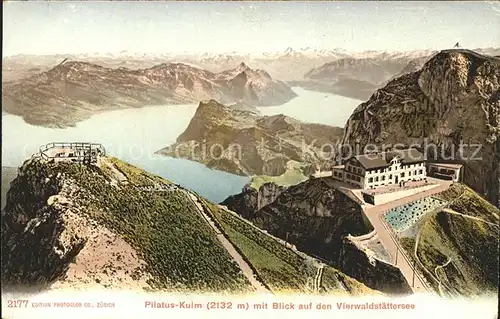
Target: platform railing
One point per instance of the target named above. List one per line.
(82, 151)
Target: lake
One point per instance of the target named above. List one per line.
(316, 107)
(133, 135)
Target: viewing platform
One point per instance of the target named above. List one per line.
(76, 152)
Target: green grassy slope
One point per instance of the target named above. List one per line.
(292, 176)
(181, 250)
(281, 268)
(470, 245)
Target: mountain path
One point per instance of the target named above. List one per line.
(390, 241)
(451, 211)
(318, 277)
(437, 276)
(245, 268)
(119, 177)
(417, 241)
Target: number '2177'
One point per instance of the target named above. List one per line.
(17, 303)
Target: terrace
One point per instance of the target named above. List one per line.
(403, 217)
(79, 152)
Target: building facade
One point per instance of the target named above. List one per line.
(381, 169)
(445, 171)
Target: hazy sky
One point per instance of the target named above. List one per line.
(84, 27)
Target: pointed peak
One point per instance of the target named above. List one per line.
(242, 66)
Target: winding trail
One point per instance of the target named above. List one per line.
(437, 276)
(245, 268)
(317, 280)
(318, 277)
(390, 241)
(445, 209)
(451, 211)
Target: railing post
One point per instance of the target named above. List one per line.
(397, 250)
(414, 264)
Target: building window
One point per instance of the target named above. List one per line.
(376, 179)
(383, 178)
(409, 173)
(390, 168)
(420, 172)
(402, 174)
(370, 180)
(390, 176)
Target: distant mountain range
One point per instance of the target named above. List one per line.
(289, 64)
(357, 76)
(74, 90)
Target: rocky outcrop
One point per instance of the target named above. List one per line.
(319, 220)
(74, 90)
(71, 226)
(311, 215)
(373, 272)
(450, 108)
(244, 143)
(314, 217)
(251, 200)
(49, 241)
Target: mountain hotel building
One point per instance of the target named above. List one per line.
(379, 169)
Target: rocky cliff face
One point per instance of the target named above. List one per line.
(314, 217)
(450, 107)
(72, 226)
(244, 143)
(251, 200)
(318, 219)
(82, 89)
(373, 272)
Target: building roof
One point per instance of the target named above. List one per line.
(383, 159)
(447, 165)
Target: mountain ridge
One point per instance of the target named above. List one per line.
(83, 88)
(453, 99)
(245, 143)
(114, 226)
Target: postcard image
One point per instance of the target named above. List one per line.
(328, 159)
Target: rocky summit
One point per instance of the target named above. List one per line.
(450, 107)
(114, 226)
(74, 90)
(244, 143)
